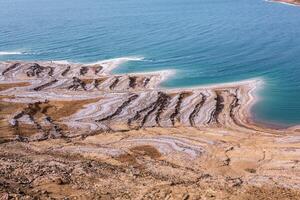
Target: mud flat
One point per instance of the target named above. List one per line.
(78, 131)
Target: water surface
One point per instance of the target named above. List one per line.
(206, 41)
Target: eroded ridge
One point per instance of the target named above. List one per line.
(73, 130)
(119, 102)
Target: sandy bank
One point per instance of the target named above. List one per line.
(75, 130)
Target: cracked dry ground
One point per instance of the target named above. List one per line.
(78, 132)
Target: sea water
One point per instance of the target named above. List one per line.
(204, 41)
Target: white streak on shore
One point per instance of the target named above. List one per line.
(111, 64)
(281, 2)
(118, 60)
(255, 83)
(5, 53)
(63, 62)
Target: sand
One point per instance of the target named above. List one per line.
(79, 131)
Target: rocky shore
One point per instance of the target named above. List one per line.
(79, 131)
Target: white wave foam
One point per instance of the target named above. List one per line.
(4, 53)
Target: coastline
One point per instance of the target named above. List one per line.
(71, 130)
(249, 87)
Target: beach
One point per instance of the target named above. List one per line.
(79, 131)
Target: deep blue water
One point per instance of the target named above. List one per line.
(206, 41)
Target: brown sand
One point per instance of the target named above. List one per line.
(124, 137)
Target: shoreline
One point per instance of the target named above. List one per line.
(256, 83)
(287, 2)
(251, 86)
(72, 130)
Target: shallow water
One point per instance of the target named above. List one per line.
(206, 41)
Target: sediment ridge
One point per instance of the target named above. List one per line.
(75, 130)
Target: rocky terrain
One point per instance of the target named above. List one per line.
(73, 131)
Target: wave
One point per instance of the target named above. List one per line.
(5, 53)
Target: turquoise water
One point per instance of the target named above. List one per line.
(206, 41)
